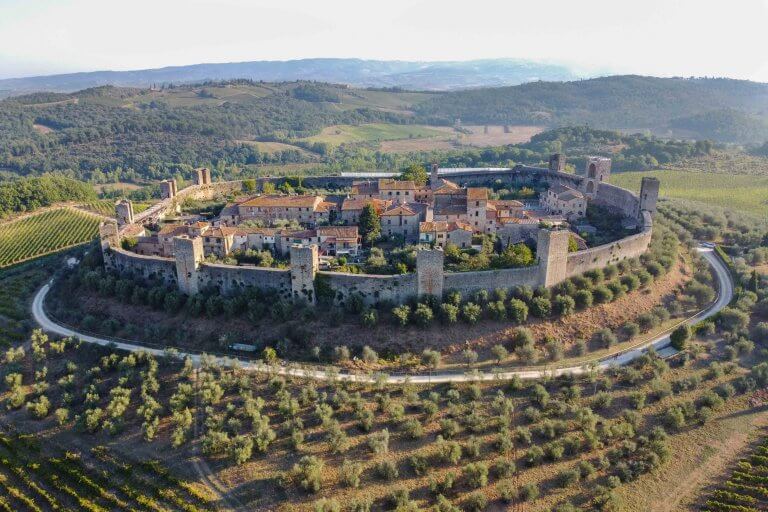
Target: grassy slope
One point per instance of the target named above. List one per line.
(341, 134)
(738, 191)
(43, 233)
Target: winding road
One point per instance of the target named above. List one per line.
(724, 296)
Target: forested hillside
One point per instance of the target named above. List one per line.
(610, 102)
(30, 193)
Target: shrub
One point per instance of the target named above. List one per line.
(631, 329)
(647, 321)
(583, 299)
(386, 470)
(568, 477)
(449, 313)
(602, 400)
(309, 473)
(369, 317)
(327, 505)
(499, 353)
(369, 355)
(413, 429)
(476, 502)
(350, 473)
(476, 474)
(430, 358)
(341, 353)
(518, 311)
(449, 428)
(534, 455)
(497, 310)
(471, 312)
(602, 294)
(378, 442)
(564, 305)
(401, 314)
(529, 492)
(680, 337)
(469, 356)
(423, 315)
(604, 337)
(554, 349)
(541, 307)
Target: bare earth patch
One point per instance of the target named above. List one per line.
(480, 137)
(205, 334)
(41, 128)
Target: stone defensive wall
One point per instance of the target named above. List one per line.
(302, 279)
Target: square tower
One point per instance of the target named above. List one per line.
(429, 272)
(305, 262)
(168, 189)
(434, 180)
(649, 194)
(124, 212)
(109, 237)
(552, 252)
(596, 171)
(557, 162)
(203, 176)
(188, 253)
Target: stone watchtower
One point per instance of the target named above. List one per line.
(109, 237)
(649, 194)
(429, 272)
(305, 262)
(124, 212)
(552, 252)
(203, 176)
(188, 253)
(597, 170)
(557, 162)
(434, 180)
(168, 189)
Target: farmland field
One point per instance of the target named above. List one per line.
(342, 134)
(31, 480)
(737, 191)
(43, 233)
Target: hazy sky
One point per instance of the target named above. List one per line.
(658, 37)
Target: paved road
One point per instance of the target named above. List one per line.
(662, 342)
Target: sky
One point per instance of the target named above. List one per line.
(650, 37)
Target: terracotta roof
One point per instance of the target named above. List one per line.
(350, 204)
(503, 204)
(308, 233)
(133, 230)
(283, 201)
(443, 226)
(325, 206)
(220, 232)
(565, 193)
(365, 187)
(451, 209)
(172, 229)
(242, 231)
(515, 220)
(337, 231)
(477, 193)
(389, 184)
(399, 210)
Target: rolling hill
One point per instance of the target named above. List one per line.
(621, 102)
(355, 72)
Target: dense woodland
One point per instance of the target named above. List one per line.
(30, 193)
(616, 101)
(92, 136)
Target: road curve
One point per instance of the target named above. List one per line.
(725, 294)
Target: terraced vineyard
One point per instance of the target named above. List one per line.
(104, 207)
(44, 233)
(32, 480)
(747, 489)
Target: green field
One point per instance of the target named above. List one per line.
(43, 233)
(737, 191)
(374, 132)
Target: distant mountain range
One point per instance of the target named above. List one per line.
(434, 76)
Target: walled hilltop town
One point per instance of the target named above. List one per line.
(451, 212)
